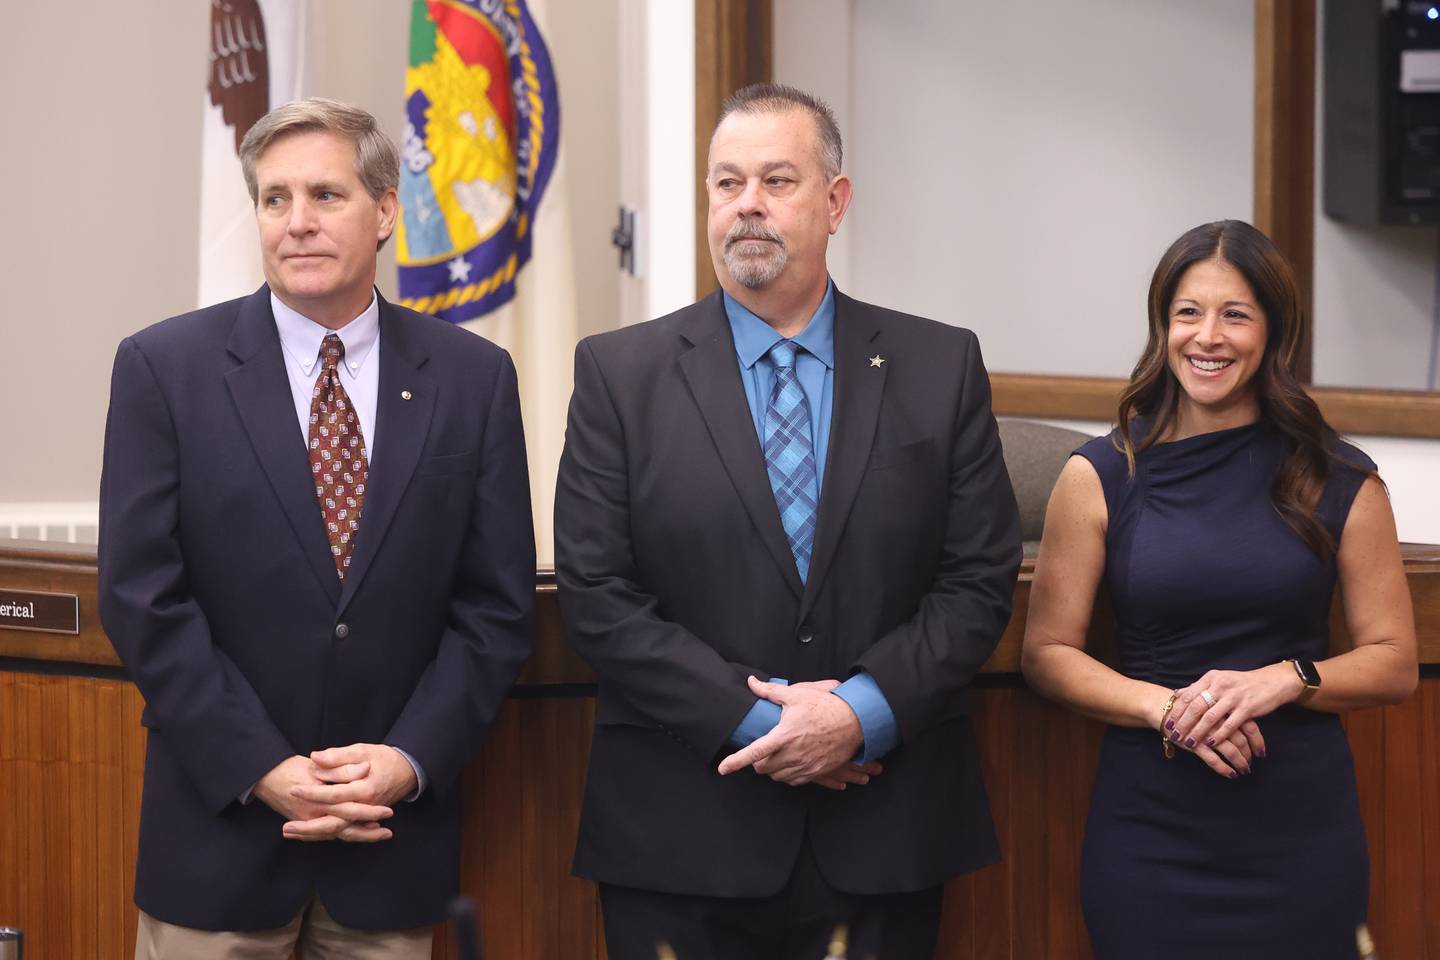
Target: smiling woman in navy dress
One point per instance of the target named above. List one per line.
(1219, 515)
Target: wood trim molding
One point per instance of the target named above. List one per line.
(1392, 413)
(1386, 413)
(733, 47)
(1285, 142)
(1068, 398)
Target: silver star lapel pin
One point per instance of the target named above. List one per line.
(876, 360)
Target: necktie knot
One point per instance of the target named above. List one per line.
(783, 354)
(332, 350)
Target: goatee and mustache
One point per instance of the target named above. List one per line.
(752, 262)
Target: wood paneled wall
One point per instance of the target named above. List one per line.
(71, 761)
(72, 755)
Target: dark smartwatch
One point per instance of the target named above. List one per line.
(1305, 670)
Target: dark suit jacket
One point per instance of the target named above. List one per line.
(676, 582)
(218, 590)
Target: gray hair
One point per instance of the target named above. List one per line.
(778, 97)
(377, 162)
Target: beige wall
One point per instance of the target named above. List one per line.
(100, 158)
(584, 38)
(98, 161)
(1020, 167)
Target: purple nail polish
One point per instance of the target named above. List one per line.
(1190, 742)
(1234, 775)
(1209, 741)
(1169, 724)
(1175, 737)
(1260, 754)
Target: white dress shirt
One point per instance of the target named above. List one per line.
(300, 339)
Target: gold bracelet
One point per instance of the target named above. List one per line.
(1164, 714)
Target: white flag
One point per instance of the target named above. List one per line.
(538, 328)
(257, 63)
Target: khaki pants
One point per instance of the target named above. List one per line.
(312, 935)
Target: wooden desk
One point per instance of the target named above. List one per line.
(72, 760)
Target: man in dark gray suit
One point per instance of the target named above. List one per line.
(786, 542)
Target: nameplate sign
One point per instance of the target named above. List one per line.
(42, 612)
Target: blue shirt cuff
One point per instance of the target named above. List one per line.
(761, 719)
(419, 773)
(877, 720)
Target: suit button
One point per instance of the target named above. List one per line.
(806, 637)
(341, 631)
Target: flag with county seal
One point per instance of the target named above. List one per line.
(481, 131)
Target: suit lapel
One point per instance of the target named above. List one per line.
(261, 391)
(401, 425)
(713, 375)
(859, 386)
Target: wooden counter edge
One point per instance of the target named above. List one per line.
(70, 568)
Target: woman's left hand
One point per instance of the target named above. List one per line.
(1213, 707)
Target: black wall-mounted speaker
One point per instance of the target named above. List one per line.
(1381, 63)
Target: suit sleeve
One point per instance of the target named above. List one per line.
(925, 664)
(201, 704)
(490, 624)
(666, 672)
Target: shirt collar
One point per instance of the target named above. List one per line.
(754, 337)
(301, 337)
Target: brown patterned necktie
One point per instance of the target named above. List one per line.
(337, 455)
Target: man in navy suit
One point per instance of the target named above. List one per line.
(317, 564)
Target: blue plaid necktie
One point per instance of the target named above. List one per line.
(790, 456)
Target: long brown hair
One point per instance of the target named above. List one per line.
(1154, 392)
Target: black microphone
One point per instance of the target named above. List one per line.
(466, 925)
(12, 943)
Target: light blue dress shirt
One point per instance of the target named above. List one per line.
(300, 339)
(815, 369)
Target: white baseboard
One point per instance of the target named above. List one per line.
(67, 522)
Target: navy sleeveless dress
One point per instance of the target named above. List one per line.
(1203, 573)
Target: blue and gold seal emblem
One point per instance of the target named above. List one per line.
(482, 127)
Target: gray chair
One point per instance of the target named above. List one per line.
(1035, 453)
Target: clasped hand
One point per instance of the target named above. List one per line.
(342, 793)
(1222, 731)
(814, 742)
